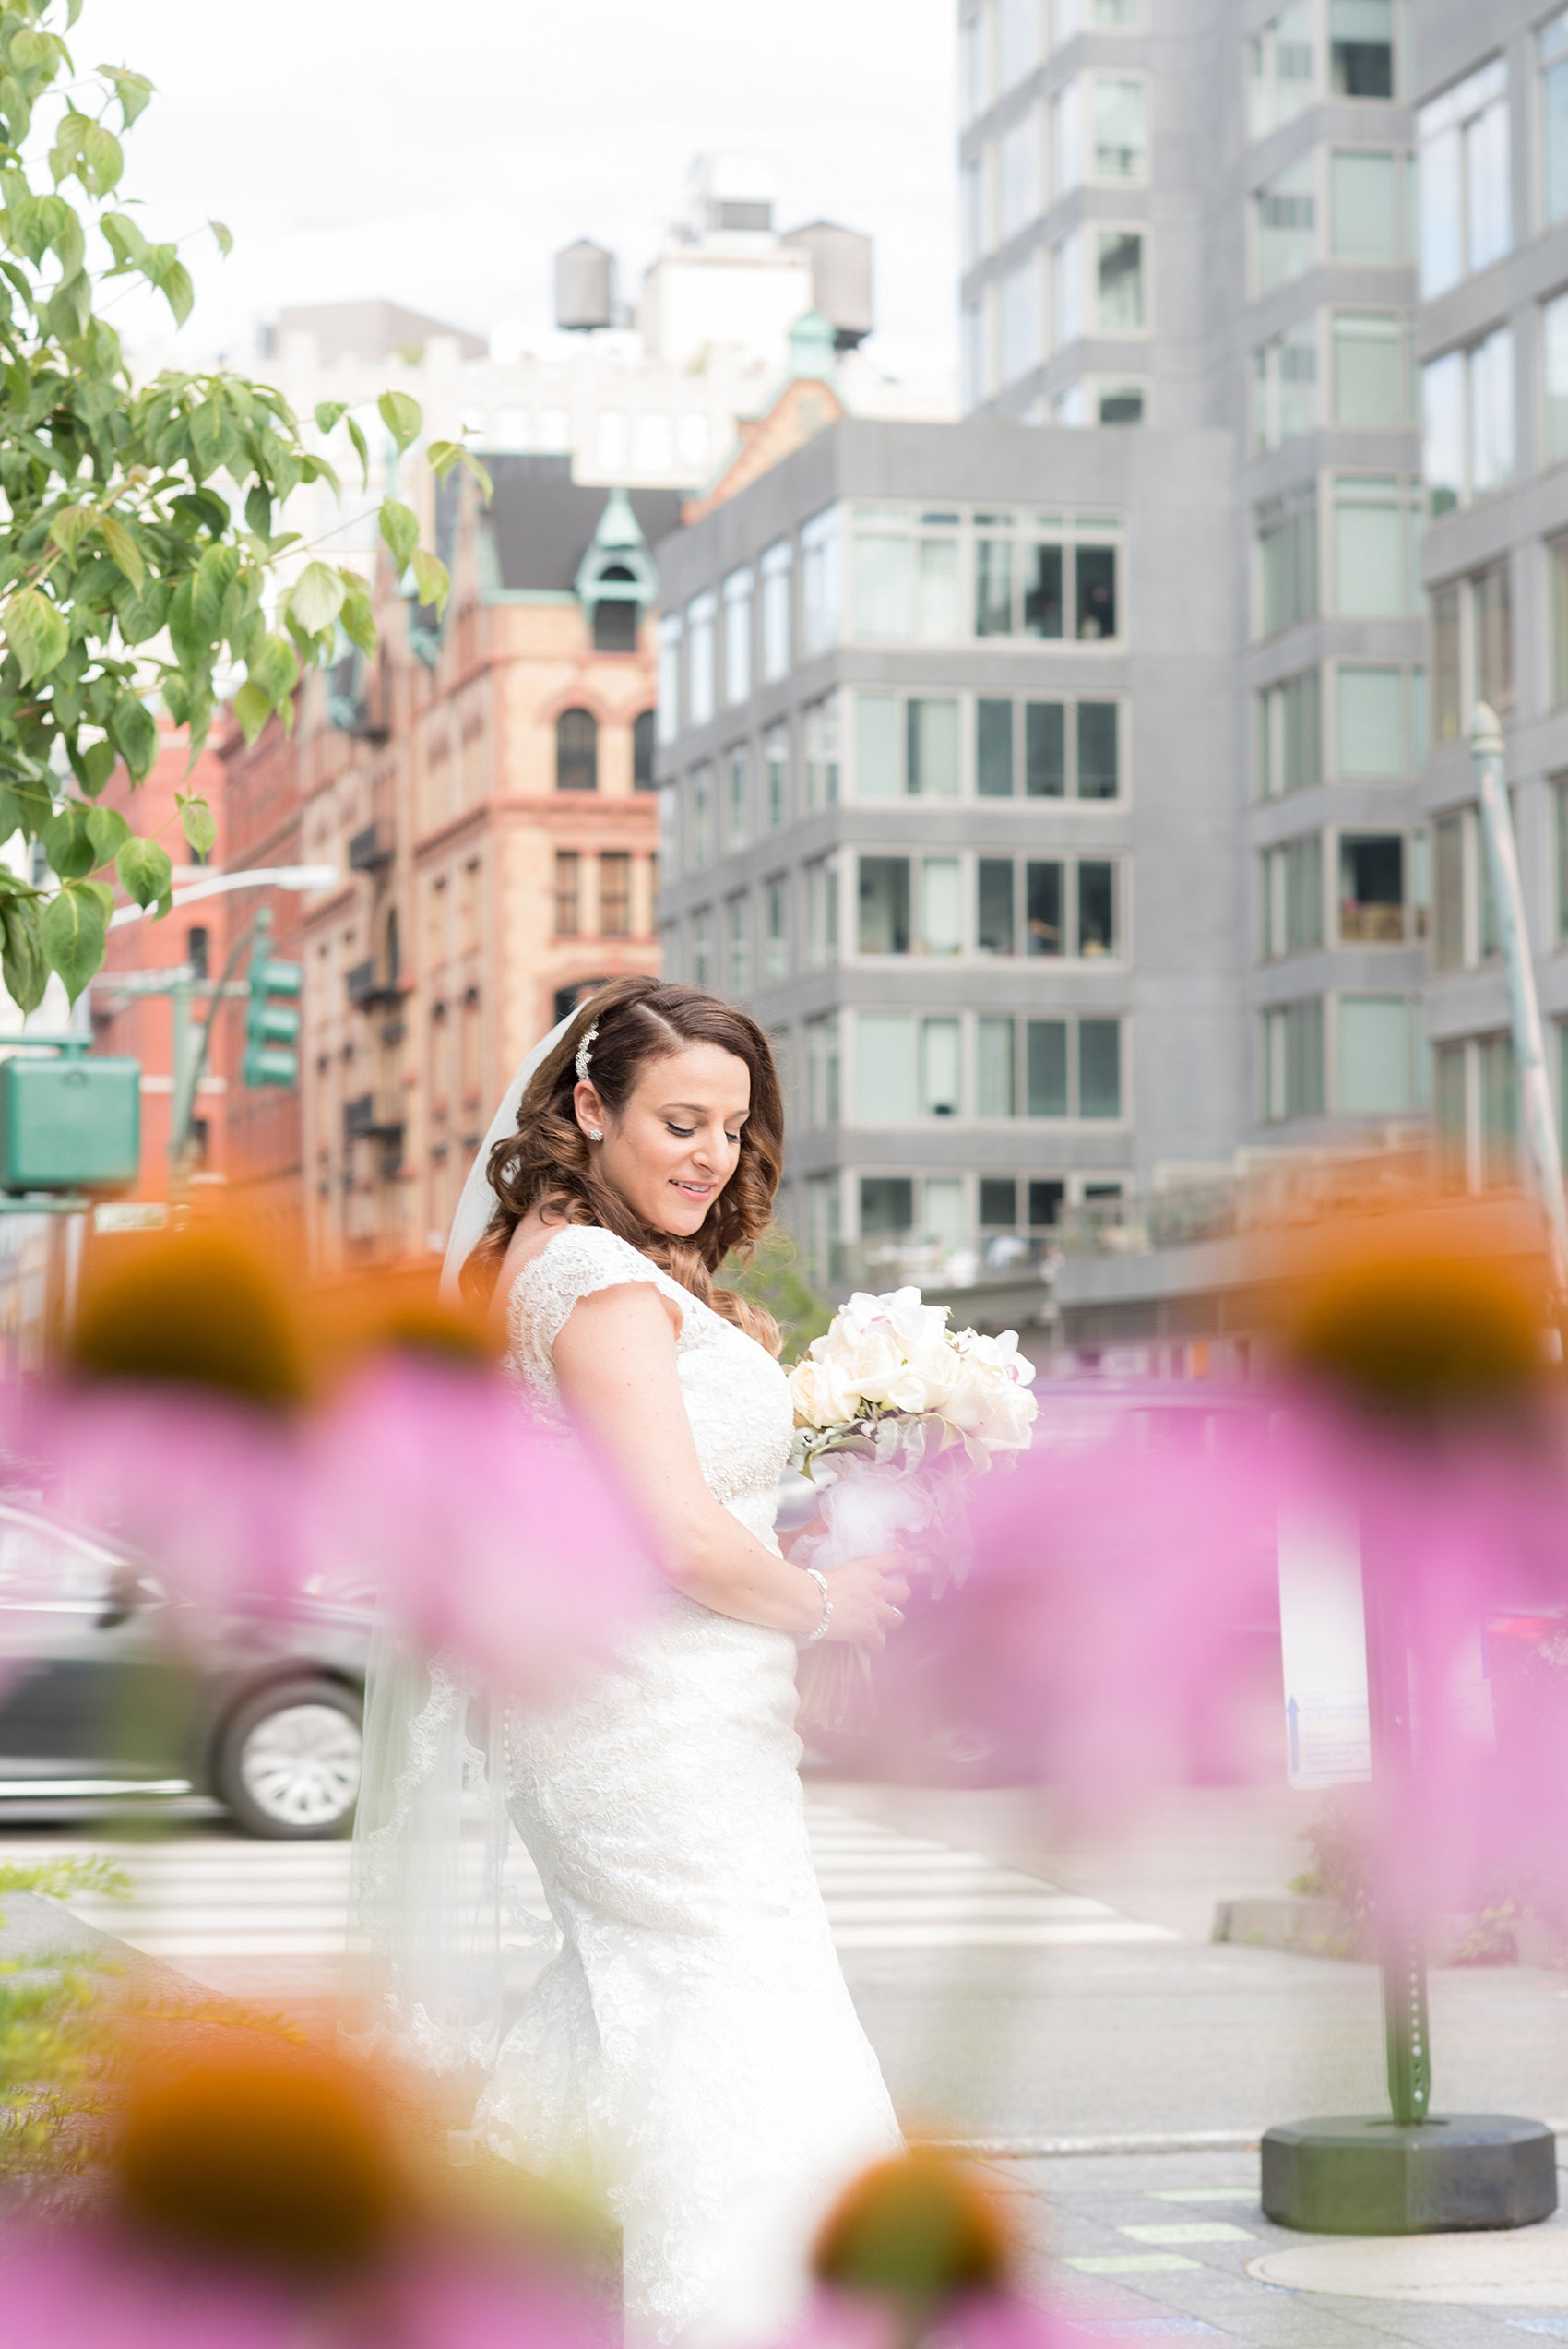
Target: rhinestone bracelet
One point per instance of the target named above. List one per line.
(820, 1579)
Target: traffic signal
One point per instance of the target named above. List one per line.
(272, 1029)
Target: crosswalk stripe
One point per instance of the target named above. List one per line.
(204, 1897)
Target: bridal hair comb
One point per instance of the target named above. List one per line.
(585, 1054)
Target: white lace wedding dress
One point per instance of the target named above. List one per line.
(692, 2048)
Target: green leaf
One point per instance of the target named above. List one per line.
(133, 91)
(401, 416)
(252, 709)
(25, 805)
(316, 598)
(22, 962)
(124, 550)
(67, 843)
(70, 307)
(175, 286)
(430, 579)
(146, 870)
(441, 454)
(107, 829)
(359, 621)
(198, 822)
(73, 930)
(123, 238)
(92, 764)
(224, 237)
(134, 730)
(401, 529)
(103, 160)
(259, 511)
(360, 451)
(215, 575)
(36, 631)
(68, 524)
(329, 413)
(274, 666)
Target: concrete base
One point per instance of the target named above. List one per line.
(1354, 2176)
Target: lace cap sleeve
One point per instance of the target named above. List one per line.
(576, 1263)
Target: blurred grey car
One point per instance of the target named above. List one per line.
(112, 1691)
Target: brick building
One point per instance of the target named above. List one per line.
(486, 787)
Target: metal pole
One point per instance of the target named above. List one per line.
(1401, 1934)
(1538, 1125)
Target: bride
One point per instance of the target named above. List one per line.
(693, 2049)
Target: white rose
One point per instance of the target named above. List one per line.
(999, 1354)
(917, 1326)
(821, 1396)
(875, 1364)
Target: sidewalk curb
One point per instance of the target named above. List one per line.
(1198, 2140)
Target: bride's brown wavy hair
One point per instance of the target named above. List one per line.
(549, 1163)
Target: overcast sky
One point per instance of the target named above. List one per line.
(439, 156)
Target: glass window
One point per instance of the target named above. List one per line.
(1119, 281)
(568, 893)
(936, 589)
(822, 912)
(776, 775)
(1098, 767)
(1370, 368)
(1492, 410)
(1045, 750)
(1095, 570)
(1279, 70)
(1360, 48)
(776, 932)
(699, 831)
(994, 1052)
(1292, 898)
(822, 1070)
(993, 905)
(1067, 280)
(1442, 430)
(885, 905)
(669, 677)
(777, 565)
(1449, 945)
(1285, 387)
(1096, 907)
(738, 958)
(993, 749)
(1045, 1074)
(577, 751)
(1017, 176)
(1374, 1054)
(1293, 1060)
(1370, 709)
(701, 615)
(876, 745)
(940, 1079)
(1019, 300)
(942, 917)
(615, 894)
(737, 795)
(1046, 1201)
(1364, 207)
(932, 747)
(1287, 562)
(1373, 547)
(1560, 815)
(886, 1090)
(974, 354)
(1122, 404)
(702, 949)
(1500, 1110)
(1371, 889)
(1286, 215)
(819, 737)
(1447, 683)
(643, 777)
(1100, 1068)
(1465, 211)
(1066, 138)
(883, 584)
(1554, 355)
(1552, 48)
(1288, 737)
(1492, 605)
(993, 587)
(1043, 908)
(973, 242)
(737, 637)
(1017, 41)
(1559, 553)
(998, 1202)
(820, 574)
(1043, 590)
(1120, 137)
(887, 1205)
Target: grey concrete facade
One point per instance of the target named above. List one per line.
(954, 1032)
(1492, 556)
(1228, 185)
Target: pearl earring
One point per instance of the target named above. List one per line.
(595, 1134)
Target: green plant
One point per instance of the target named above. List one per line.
(138, 526)
(771, 1277)
(64, 1874)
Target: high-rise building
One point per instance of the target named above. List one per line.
(1196, 213)
(1491, 115)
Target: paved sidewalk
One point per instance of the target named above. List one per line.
(1158, 2246)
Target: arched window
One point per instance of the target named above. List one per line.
(393, 953)
(642, 751)
(615, 616)
(577, 751)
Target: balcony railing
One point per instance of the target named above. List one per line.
(371, 849)
(367, 988)
(902, 1258)
(1370, 925)
(368, 1118)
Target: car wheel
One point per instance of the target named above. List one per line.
(288, 1762)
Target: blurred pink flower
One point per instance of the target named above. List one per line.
(999, 2320)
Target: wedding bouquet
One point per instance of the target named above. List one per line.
(894, 1413)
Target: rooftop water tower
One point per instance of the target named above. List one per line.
(585, 287)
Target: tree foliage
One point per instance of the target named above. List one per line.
(139, 526)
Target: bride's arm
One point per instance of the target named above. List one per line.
(615, 1366)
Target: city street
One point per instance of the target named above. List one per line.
(1055, 2004)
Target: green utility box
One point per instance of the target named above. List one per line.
(72, 1123)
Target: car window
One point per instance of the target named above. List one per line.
(40, 1566)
